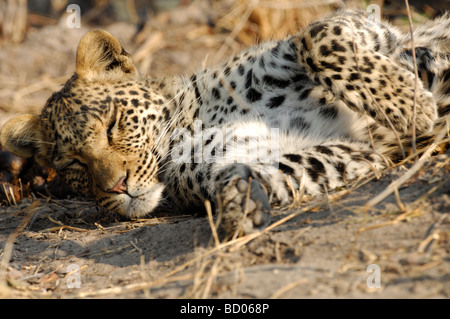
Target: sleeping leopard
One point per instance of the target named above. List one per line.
(314, 111)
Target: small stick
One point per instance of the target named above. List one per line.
(399, 201)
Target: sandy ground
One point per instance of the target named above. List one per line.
(322, 250)
(329, 247)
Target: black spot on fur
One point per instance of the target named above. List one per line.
(253, 95)
(353, 77)
(305, 93)
(295, 158)
(248, 79)
(324, 150)
(324, 50)
(337, 30)
(135, 102)
(316, 28)
(299, 123)
(276, 101)
(275, 82)
(241, 69)
(286, 169)
(216, 93)
(328, 112)
(197, 92)
(336, 47)
(311, 64)
(289, 57)
(331, 66)
(316, 168)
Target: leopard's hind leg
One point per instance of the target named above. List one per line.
(354, 58)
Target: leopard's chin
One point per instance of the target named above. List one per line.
(134, 206)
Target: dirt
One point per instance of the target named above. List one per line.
(322, 252)
(327, 247)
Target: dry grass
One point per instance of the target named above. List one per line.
(207, 268)
(13, 20)
(239, 24)
(203, 273)
(248, 22)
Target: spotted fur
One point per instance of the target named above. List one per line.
(336, 93)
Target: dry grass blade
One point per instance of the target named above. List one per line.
(260, 20)
(427, 243)
(210, 280)
(12, 196)
(144, 55)
(432, 235)
(416, 78)
(59, 228)
(414, 213)
(13, 20)
(398, 182)
(237, 28)
(413, 170)
(6, 194)
(206, 279)
(7, 251)
(277, 294)
(398, 200)
(211, 223)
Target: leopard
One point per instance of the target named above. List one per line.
(339, 100)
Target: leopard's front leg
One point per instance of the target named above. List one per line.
(242, 200)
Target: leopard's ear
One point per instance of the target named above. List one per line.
(101, 57)
(22, 135)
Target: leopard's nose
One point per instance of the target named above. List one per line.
(120, 187)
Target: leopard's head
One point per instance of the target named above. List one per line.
(100, 130)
